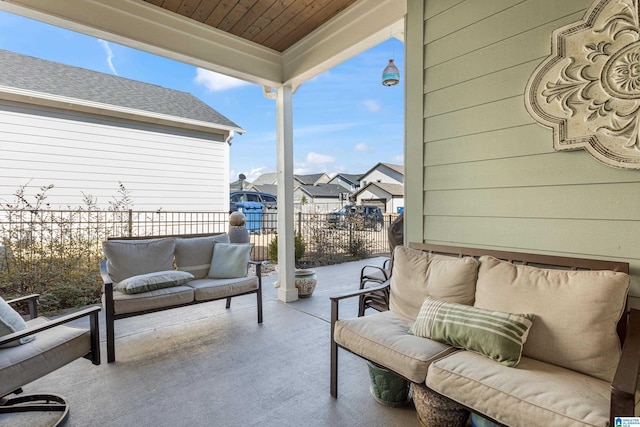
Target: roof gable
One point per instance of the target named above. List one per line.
(51, 78)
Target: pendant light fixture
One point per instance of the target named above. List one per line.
(390, 75)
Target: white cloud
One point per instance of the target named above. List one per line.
(313, 163)
(371, 105)
(217, 82)
(398, 160)
(109, 52)
(251, 175)
(363, 147)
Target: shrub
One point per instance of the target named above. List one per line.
(299, 251)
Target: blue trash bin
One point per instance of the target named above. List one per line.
(253, 212)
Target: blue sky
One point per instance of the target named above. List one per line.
(344, 120)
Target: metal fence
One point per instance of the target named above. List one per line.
(79, 233)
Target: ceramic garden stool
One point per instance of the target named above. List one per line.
(387, 387)
(434, 409)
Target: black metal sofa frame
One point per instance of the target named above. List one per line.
(111, 316)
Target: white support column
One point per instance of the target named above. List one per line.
(287, 291)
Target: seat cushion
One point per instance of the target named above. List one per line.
(210, 289)
(383, 339)
(50, 350)
(159, 298)
(128, 258)
(534, 393)
(576, 312)
(193, 254)
(416, 275)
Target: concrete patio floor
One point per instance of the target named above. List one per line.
(204, 365)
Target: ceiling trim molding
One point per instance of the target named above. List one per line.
(359, 27)
(142, 26)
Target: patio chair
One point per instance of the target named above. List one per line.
(46, 346)
(376, 275)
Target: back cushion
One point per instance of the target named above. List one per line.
(128, 258)
(193, 254)
(416, 275)
(576, 312)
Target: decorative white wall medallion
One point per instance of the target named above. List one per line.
(588, 89)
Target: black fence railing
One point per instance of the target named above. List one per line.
(45, 233)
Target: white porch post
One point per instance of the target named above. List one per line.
(287, 291)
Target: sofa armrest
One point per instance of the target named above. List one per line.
(104, 273)
(32, 302)
(359, 292)
(625, 381)
(90, 311)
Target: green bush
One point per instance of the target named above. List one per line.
(299, 251)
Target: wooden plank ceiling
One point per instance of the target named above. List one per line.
(276, 24)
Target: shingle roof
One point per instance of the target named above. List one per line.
(396, 190)
(323, 190)
(308, 179)
(39, 75)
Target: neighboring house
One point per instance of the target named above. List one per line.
(265, 188)
(383, 172)
(389, 197)
(270, 178)
(350, 182)
(319, 198)
(313, 179)
(388, 191)
(85, 132)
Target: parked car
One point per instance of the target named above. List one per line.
(243, 196)
(361, 217)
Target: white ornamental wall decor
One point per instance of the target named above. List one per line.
(588, 89)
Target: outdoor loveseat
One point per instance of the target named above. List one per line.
(521, 339)
(145, 275)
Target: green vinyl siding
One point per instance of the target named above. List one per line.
(490, 176)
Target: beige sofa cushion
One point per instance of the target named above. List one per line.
(152, 300)
(128, 258)
(383, 339)
(193, 254)
(533, 394)
(416, 275)
(576, 312)
(210, 289)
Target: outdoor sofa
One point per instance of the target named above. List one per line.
(562, 366)
(145, 275)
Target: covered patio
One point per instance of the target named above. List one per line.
(206, 365)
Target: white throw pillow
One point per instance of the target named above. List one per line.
(10, 322)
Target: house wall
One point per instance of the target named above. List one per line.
(382, 174)
(488, 173)
(80, 153)
(391, 204)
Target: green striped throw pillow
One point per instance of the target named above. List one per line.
(495, 334)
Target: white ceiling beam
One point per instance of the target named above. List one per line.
(143, 26)
(358, 28)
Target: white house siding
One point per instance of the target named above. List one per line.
(490, 175)
(382, 174)
(162, 167)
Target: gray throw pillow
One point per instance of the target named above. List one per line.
(128, 258)
(152, 281)
(10, 322)
(230, 260)
(193, 254)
